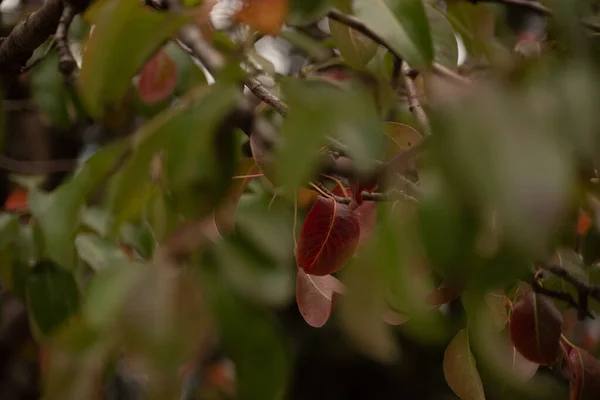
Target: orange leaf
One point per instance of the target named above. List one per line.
(266, 16)
(17, 200)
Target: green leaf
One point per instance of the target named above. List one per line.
(444, 40)
(98, 253)
(248, 335)
(189, 164)
(302, 12)
(402, 24)
(257, 259)
(49, 90)
(120, 27)
(52, 296)
(58, 212)
(9, 229)
(189, 73)
(460, 370)
(318, 109)
(355, 48)
(107, 293)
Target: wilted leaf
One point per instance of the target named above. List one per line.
(401, 136)
(328, 237)
(266, 16)
(120, 27)
(158, 78)
(315, 296)
(402, 24)
(535, 328)
(52, 296)
(460, 370)
(585, 384)
(356, 48)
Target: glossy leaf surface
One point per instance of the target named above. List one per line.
(328, 237)
(535, 328)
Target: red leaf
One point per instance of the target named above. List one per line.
(158, 79)
(316, 296)
(328, 237)
(585, 384)
(17, 200)
(535, 328)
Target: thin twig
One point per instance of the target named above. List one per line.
(536, 7)
(66, 62)
(584, 290)
(413, 101)
(366, 196)
(558, 295)
(264, 95)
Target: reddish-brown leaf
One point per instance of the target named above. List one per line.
(158, 79)
(584, 224)
(17, 200)
(535, 328)
(585, 384)
(266, 16)
(328, 237)
(316, 296)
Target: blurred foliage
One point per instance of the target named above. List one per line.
(170, 242)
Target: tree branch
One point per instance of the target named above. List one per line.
(264, 95)
(584, 290)
(66, 62)
(413, 101)
(28, 35)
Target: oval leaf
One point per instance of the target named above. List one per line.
(158, 79)
(460, 371)
(535, 328)
(585, 384)
(356, 48)
(315, 296)
(402, 24)
(52, 296)
(328, 237)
